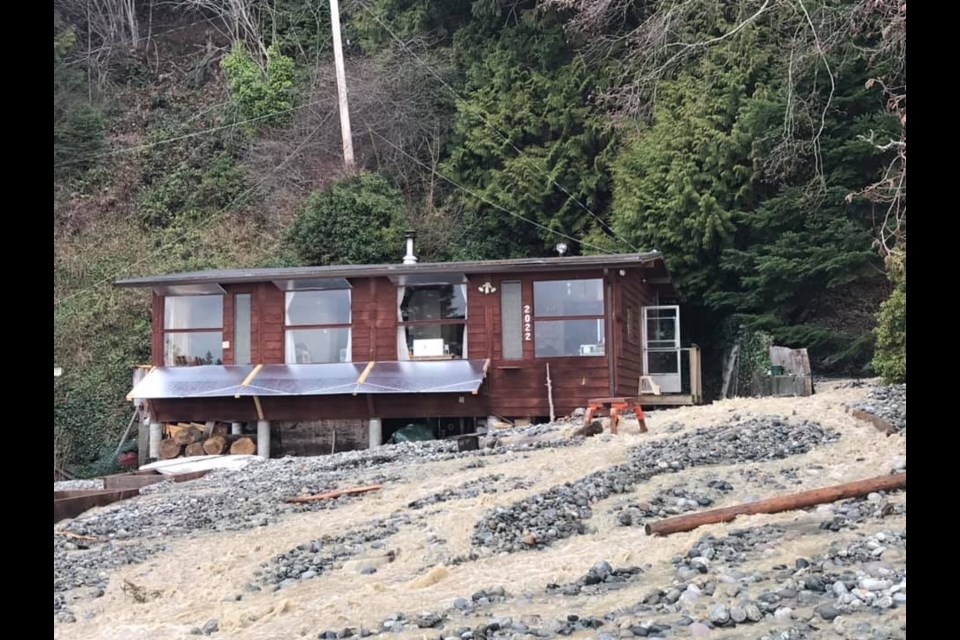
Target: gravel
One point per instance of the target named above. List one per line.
(561, 512)
(131, 531)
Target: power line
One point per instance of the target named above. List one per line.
(480, 197)
(213, 217)
(150, 145)
(489, 124)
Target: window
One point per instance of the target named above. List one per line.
(433, 320)
(568, 318)
(512, 321)
(242, 330)
(192, 330)
(317, 326)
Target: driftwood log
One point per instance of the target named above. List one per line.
(169, 449)
(244, 446)
(776, 505)
(335, 494)
(188, 435)
(883, 426)
(215, 445)
(195, 449)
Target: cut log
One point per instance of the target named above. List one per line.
(188, 436)
(335, 494)
(169, 449)
(221, 429)
(215, 445)
(194, 449)
(244, 446)
(776, 505)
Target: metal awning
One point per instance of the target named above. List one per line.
(278, 380)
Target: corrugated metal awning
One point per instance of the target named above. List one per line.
(273, 380)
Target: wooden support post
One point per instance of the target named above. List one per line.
(778, 504)
(375, 433)
(553, 415)
(156, 435)
(263, 439)
(696, 380)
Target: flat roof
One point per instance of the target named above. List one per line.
(237, 276)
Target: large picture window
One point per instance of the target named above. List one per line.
(317, 326)
(568, 318)
(192, 330)
(433, 320)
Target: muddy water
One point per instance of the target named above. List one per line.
(199, 572)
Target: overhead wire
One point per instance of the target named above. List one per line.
(492, 127)
(206, 223)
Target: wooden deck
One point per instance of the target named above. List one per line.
(667, 400)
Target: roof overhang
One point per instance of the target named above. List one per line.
(437, 272)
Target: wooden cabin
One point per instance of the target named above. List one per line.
(369, 349)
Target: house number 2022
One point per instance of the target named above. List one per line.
(527, 325)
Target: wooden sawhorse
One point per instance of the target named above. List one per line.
(614, 406)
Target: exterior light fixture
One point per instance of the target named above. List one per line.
(561, 248)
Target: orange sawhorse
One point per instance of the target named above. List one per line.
(615, 406)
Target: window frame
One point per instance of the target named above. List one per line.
(287, 328)
(404, 324)
(212, 329)
(602, 317)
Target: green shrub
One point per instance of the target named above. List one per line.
(265, 95)
(358, 220)
(890, 356)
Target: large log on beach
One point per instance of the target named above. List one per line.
(244, 446)
(215, 445)
(791, 502)
(169, 449)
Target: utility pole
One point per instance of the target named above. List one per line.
(341, 86)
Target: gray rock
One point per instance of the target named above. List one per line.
(753, 612)
(783, 613)
(738, 614)
(210, 626)
(719, 614)
(428, 620)
(827, 611)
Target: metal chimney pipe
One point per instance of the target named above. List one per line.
(410, 258)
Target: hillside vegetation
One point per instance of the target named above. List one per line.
(760, 144)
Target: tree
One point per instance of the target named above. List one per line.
(890, 359)
(358, 220)
(527, 140)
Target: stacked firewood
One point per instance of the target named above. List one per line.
(187, 439)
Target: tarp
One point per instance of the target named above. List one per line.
(412, 433)
(213, 381)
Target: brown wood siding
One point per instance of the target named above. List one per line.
(271, 315)
(373, 304)
(634, 294)
(157, 336)
(518, 388)
(309, 408)
(513, 389)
